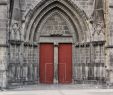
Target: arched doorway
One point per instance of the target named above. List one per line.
(55, 57)
(56, 26)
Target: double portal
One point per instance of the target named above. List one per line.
(61, 70)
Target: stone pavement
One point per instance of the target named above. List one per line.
(61, 92)
(77, 89)
(58, 87)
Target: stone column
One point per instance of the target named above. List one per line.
(108, 44)
(55, 62)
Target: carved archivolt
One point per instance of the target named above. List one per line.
(75, 16)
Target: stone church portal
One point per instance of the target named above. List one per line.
(55, 42)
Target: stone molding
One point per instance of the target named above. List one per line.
(3, 2)
(34, 17)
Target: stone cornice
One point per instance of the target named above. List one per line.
(15, 42)
(30, 44)
(109, 46)
(3, 2)
(3, 45)
(87, 44)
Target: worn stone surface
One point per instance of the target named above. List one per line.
(3, 40)
(24, 24)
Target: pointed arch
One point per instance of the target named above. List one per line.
(76, 17)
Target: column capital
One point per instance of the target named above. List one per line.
(56, 44)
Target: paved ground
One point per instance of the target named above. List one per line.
(60, 92)
(77, 89)
(58, 87)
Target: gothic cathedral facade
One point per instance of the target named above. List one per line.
(56, 41)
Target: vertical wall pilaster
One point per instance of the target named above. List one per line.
(3, 42)
(108, 45)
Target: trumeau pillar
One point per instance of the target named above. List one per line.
(55, 62)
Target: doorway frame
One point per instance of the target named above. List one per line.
(56, 44)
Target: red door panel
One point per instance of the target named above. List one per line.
(46, 63)
(65, 63)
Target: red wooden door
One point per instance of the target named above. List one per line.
(46, 63)
(65, 63)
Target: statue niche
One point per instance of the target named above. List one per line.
(15, 33)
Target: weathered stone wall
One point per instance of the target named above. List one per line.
(90, 62)
(111, 21)
(84, 55)
(86, 5)
(95, 54)
(3, 40)
(3, 23)
(110, 39)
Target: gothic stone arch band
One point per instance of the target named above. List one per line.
(37, 14)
